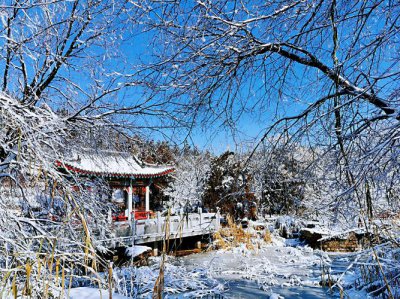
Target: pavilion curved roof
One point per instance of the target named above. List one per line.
(112, 165)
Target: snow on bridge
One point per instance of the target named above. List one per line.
(153, 230)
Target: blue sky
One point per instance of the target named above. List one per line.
(305, 88)
(216, 138)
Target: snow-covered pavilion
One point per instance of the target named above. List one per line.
(129, 178)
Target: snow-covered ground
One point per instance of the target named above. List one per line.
(285, 268)
(278, 269)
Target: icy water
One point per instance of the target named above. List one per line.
(280, 270)
(244, 289)
(289, 272)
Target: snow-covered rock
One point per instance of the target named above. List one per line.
(137, 250)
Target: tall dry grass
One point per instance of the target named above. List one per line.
(233, 235)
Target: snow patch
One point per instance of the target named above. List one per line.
(136, 250)
(91, 293)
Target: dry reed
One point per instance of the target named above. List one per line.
(233, 235)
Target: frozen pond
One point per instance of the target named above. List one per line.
(245, 289)
(291, 272)
(272, 271)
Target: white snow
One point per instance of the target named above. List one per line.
(342, 234)
(275, 296)
(91, 293)
(137, 250)
(190, 177)
(270, 268)
(112, 162)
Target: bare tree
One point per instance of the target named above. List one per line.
(217, 50)
(334, 65)
(62, 73)
(62, 70)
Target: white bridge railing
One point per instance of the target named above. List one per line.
(180, 226)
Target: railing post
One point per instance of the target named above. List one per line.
(133, 223)
(201, 215)
(130, 200)
(190, 221)
(170, 226)
(181, 218)
(159, 225)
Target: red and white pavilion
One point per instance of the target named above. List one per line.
(128, 177)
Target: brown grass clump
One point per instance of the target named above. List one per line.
(219, 241)
(267, 237)
(232, 236)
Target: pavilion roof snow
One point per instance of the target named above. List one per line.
(112, 164)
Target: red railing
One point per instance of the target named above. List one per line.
(143, 214)
(139, 215)
(120, 217)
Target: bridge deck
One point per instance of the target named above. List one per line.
(151, 230)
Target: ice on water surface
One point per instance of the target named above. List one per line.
(272, 271)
